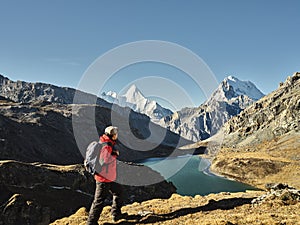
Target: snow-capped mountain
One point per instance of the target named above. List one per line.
(228, 100)
(134, 99)
(231, 88)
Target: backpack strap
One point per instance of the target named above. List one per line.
(103, 144)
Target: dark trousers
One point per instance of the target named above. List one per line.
(101, 193)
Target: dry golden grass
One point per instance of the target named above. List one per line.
(219, 209)
(275, 161)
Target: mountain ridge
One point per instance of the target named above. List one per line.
(201, 122)
(134, 99)
(28, 92)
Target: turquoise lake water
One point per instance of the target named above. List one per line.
(191, 176)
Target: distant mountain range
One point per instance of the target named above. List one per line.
(198, 123)
(135, 100)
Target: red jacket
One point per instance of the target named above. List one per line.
(109, 170)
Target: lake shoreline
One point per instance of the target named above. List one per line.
(210, 172)
(191, 175)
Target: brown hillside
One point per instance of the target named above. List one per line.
(262, 144)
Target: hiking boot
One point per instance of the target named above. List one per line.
(118, 217)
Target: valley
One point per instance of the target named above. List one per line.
(43, 178)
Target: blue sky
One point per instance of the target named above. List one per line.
(56, 41)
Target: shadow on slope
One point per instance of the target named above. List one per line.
(225, 204)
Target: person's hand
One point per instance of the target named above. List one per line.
(116, 152)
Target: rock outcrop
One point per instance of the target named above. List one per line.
(280, 192)
(20, 210)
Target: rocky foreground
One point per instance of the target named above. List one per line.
(38, 193)
(279, 205)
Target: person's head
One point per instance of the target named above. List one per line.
(111, 132)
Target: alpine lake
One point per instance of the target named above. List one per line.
(191, 176)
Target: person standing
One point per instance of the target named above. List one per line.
(105, 180)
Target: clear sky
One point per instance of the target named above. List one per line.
(55, 41)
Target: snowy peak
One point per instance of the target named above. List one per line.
(242, 87)
(231, 89)
(134, 95)
(134, 99)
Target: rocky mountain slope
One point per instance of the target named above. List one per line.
(33, 128)
(43, 132)
(135, 100)
(230, 98)
(262, 143)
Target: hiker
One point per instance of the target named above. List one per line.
(105, 180)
